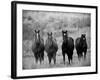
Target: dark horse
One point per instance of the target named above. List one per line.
(81, 46)
(67, 46)
(38, 47)
(51, 48)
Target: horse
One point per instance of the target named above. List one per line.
(81, 46)
(38, 47)
(67, 46)
(51, 48)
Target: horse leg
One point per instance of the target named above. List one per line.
(36, 59)
(81, 54)
(41, 57)
(69, 59)
(78, 54)
(85, 54)
(63, 57)
(54, 58)
(49, 58)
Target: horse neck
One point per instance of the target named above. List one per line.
(81, 41)
(65, 40)
(50, 41)
(37, 39)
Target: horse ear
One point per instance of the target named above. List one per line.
(81, 35)
(84, 34)
(62, 31)
(51, 33)
(35, 30)
(66, 31)
(47, 33)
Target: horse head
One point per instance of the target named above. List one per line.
(83, 37)
(64, 34)
(49, 35)
(37, 37)
(50, 38)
